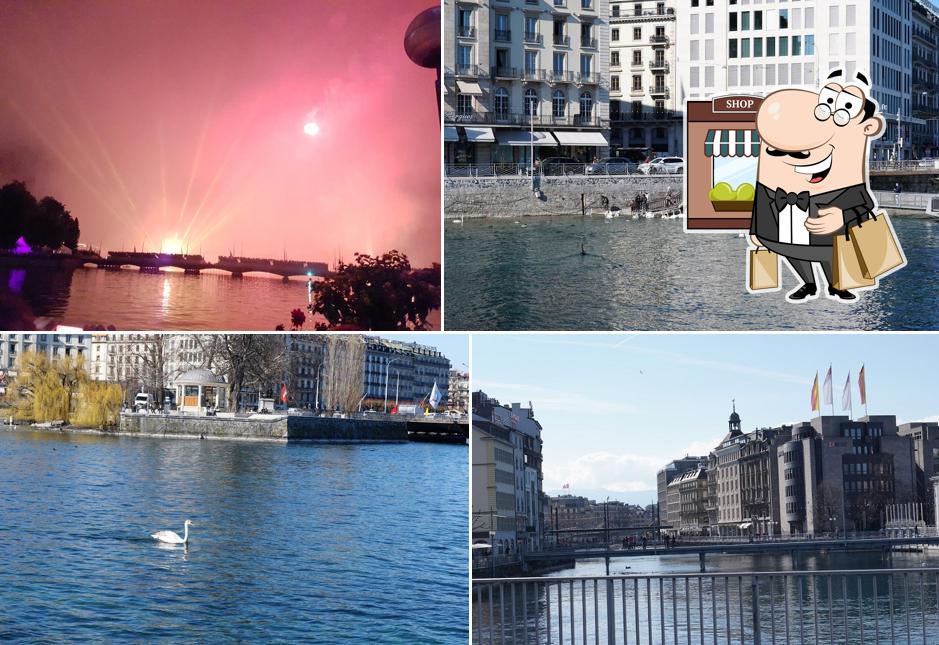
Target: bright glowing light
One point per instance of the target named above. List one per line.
(311, 129)
(172, 245)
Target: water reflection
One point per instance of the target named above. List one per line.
(649, 274)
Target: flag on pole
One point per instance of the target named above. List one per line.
(862, 386)
(827, 387)
(846, 394)
(283, 393)
(435, 396)
(815, 393)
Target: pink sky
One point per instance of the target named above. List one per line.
(184, 120)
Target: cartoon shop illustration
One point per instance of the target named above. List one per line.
(792, 169)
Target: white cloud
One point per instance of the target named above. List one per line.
(544, 398)
(604, 470)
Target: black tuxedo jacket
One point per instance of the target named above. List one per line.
(855, 202)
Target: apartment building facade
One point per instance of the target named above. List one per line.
(12, 346)
(645, 113)
(664, 477)
(409, 370)
(525, 77)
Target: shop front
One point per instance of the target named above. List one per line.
(722, 149)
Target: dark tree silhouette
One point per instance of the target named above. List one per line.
(45, 223)
(17, 206)
(378, 293)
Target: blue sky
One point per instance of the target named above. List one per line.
(454, 346)
(615, 408)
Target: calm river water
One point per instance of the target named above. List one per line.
(681, 612)
(131, 300)
(650, 275)
(290, 543)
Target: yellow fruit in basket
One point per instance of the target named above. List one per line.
(722, 192)
(745, 193)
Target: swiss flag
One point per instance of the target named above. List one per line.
(283, 393)
(394, 410)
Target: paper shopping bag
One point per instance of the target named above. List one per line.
(764, 270)
(877, 247)
(846, 269)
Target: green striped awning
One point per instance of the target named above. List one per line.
(732, 143)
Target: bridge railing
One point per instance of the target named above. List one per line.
(914, 165)
(912, 201)
(838, 606)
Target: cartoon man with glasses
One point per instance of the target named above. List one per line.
(812, 174)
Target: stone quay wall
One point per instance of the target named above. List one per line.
(293, 428)
(511, 197)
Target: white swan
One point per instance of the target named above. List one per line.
(170, 537)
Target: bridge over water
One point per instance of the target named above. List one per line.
(795, 548)
(235, 265)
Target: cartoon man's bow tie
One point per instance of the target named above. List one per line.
(783, 199)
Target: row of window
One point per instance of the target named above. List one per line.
(769, 75)
(637, 33)
(639, 11)
(868, 486)
(740, 48)
(532, 102)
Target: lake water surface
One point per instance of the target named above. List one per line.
(290, 543)
(650, 275)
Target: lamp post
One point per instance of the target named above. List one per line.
(422, 43)
(387, 364)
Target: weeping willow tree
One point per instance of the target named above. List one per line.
(343, 372)
(99, 405)
(60, 390)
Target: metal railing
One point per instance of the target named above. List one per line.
(523, 170)
(843, 606)
(466, 31)
(562, 40)
(533, 38)
(912, 201)
(911, 165)
(521, 119)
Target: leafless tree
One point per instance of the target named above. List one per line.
(827, 506)
(246, 360)
(343, 372)
(151, 363)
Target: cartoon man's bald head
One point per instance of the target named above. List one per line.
(817, 141)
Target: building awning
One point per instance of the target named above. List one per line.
(479, 135)
(732, 143)
(745, 525)
(469, 87)
(581, 139)
(522, 138)
(450, 133)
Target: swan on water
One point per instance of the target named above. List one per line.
(170, 537)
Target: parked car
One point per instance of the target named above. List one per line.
(663, 166)
(612, 166)
(561, 166)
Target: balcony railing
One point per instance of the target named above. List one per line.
(658, 90)
(505, 72)
(522, 119)
(533, 38)
(658, 66)
(470, 70)
(466, 32)
(562, 40)
(535, 75)
(637, 91)
(560, 76)
(658, 39)
(845, 606)
(588, 43)
(502, 35)
(588, 78)
(651, 115)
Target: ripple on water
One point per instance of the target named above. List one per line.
(649, 274)
(335, 543)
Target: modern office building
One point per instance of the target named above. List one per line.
(836, 474)
(523, 76)
(508, 436)
(730, 47)
(925, 438)
(645, 113)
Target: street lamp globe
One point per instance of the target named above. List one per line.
(422, 38)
